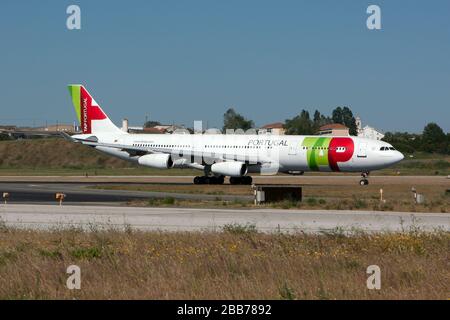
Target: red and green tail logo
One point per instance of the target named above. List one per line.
(85, 107)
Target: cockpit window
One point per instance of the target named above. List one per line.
(386, 148)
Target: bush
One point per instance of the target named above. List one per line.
(87, 253)
(286, 292)
(168, 200)
(236, 228)
(359, 203)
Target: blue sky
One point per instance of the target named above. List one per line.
(180, 61)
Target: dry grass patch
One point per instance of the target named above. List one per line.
(238, 263)
(398, 197)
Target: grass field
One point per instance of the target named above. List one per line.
(58, 157)
(238, 263)
(61, 157)
(397, 197)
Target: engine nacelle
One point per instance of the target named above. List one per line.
(156, 160)
(229, 168)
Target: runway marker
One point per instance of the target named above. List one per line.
(6, 197)
(60, 196)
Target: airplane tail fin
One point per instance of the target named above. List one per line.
(91, 117)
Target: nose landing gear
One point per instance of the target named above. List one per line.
(364, 181)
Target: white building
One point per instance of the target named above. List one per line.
(367, 131)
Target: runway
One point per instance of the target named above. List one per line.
(194, 219)
(77, 193)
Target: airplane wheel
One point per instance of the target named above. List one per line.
(363, 182)
(235, 180)
(201, 180)
(247, 180)
(220, 180)
(209, 180)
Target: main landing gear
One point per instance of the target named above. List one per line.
(364, 181)
(209, 180)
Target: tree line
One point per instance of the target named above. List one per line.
(301, 124)
(432, 139)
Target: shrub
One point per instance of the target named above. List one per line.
(168, 200)
(87, 253)
(236, 228)
(286, 292)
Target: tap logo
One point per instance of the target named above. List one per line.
(323, 153)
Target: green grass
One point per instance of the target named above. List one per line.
(421, 164)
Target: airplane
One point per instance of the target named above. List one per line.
(232, 155)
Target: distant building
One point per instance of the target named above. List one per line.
(134, 129)
(273, 128)
(158, 129)
(334, 129)
(58, 128)
(154, 130)
(168, 128)
(8, 128)
(124, 125)
(367, 131)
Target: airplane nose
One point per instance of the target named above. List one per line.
(399, 156)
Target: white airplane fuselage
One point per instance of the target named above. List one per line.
(288, 153)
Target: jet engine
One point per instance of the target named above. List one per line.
(230, 168)
(156, 160)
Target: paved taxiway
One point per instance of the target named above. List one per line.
(191, 219)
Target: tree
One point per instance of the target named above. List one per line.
(320, 120)
(336, 115)
(317, 116)
(434, 139)
(345, 116)
(402, 141)
(233, 120)
(300, 124)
